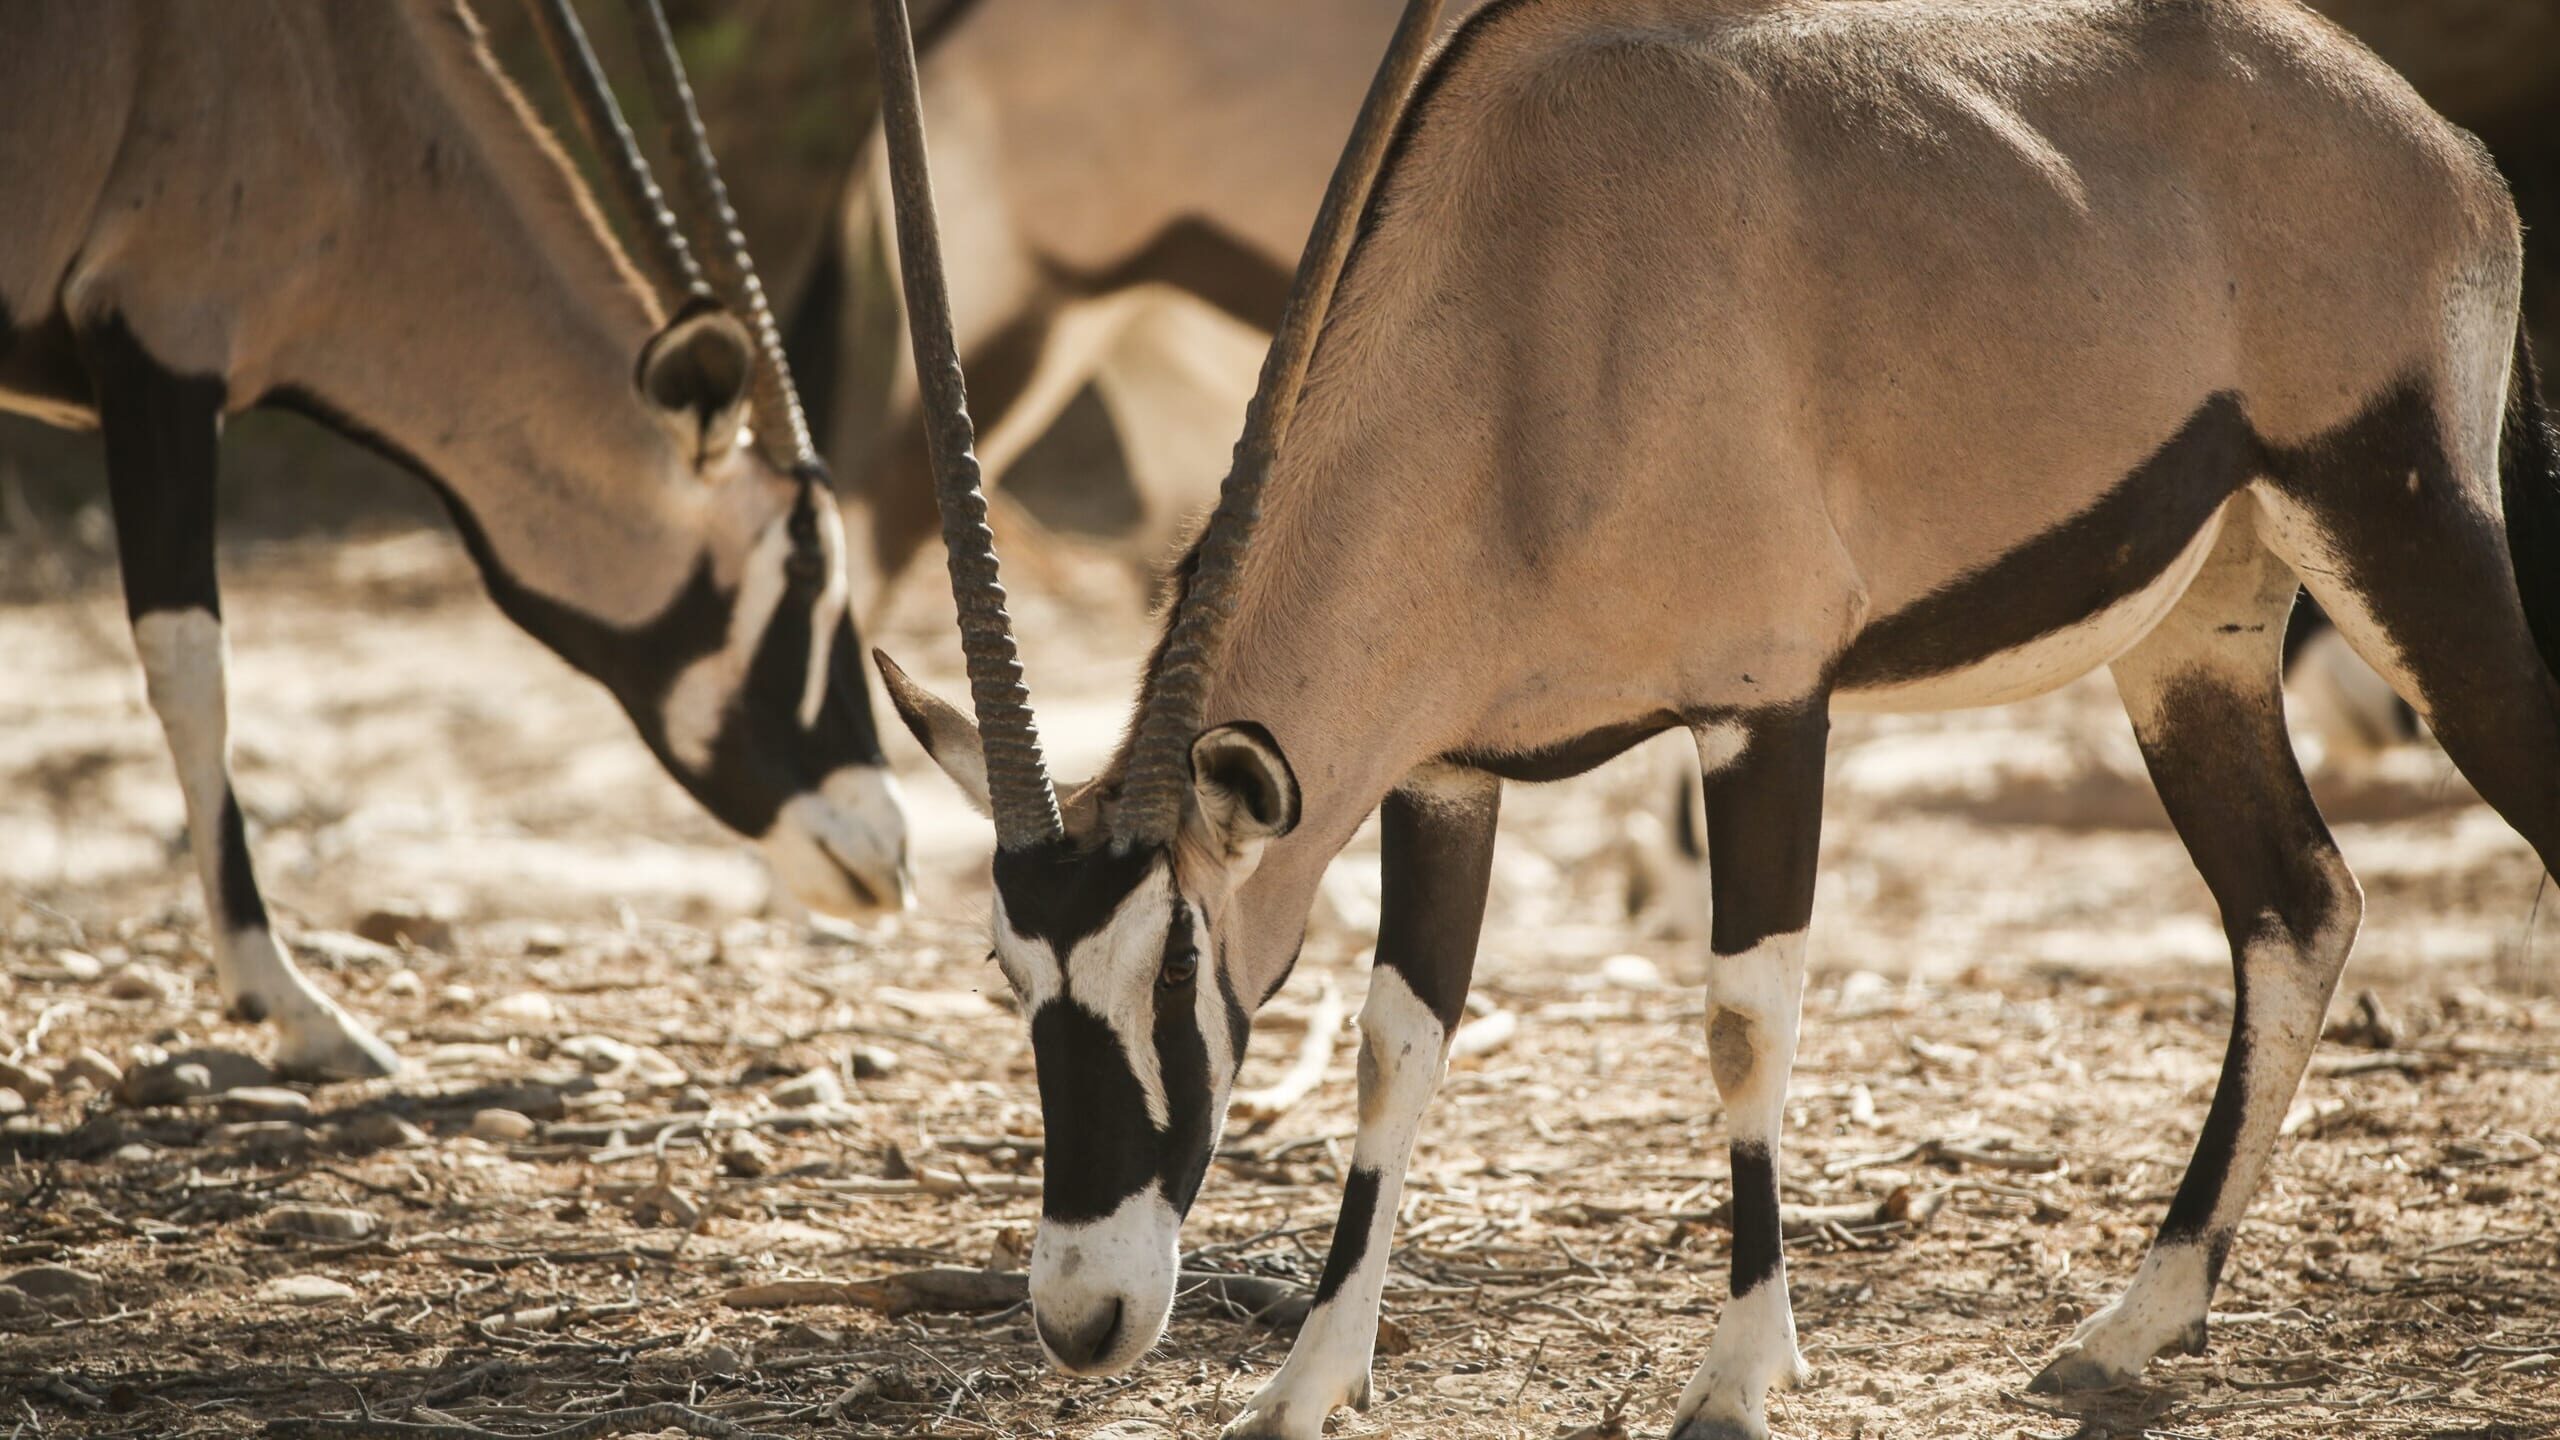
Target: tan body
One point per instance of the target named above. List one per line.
(1828, 345)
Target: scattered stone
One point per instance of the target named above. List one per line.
(665, 1205)
(334, 1223)
(265, 1102)
(135, 1153)
(469, 1055)
(175, 1079)
(29, 1084)
(1631, 972)
(404, 984)
(527, 1007)
(542, 940)
(693, 1098)
(871, 1062)
(73, 967)
(810, 1088)
(398, 927)
(12, 1103)
(93, 1069)
(502, 1127)
(381, 1130)
(600, 1054)
(58, 1288)
(743, 1155)
(682, 1364)
(457, 997)
(306, 1290)
(143, 982)
(265, 1139)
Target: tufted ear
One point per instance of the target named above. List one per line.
(950, 737)
(694, 374)
(1243, 792)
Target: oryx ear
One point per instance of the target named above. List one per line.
(1242, 789)
(950, 737)
(694, 373)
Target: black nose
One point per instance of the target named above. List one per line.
(1081, 1347)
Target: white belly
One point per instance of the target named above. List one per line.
(2054, 659)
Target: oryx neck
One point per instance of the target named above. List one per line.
(474, 318)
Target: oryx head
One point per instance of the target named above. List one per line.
(1115, 917)
(750, 686)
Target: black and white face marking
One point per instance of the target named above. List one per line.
(1136, 1030)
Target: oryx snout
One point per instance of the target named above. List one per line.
(841, 849)
(1101, 1290)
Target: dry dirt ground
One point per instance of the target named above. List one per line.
(2018, 1006)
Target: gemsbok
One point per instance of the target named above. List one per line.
(1711, 364)
(347, 210)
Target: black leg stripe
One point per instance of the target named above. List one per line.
(1755, 1217)
(242, 906)
(1351, 1232)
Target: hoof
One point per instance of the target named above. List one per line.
(1700, 1427)
(341, 1050)
(1258, 1423)
(2073, 1372)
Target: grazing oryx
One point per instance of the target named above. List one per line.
(1195, 170)
(347, 210)
(1710, 364)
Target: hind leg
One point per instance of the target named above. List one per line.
(2397, 533)
(161, 432)
(2204, 691)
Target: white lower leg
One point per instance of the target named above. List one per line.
(182, 664)
(2287, 989)
(1752, 1005)
(1403, 1050)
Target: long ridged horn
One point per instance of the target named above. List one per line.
(1159, 767)
(703, 204)
(665, 255)
(1024, 803)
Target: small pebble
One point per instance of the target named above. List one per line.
(76, 966)
(143, 982)
(29, 1084)
(600, 1054)
(135, 1153)
(528, 1007)
(406, 927)
(56, 1287)
(382, 1130)
(266, 1102)
(457, 997)
(501, 1127)
(813, 1088)
(335, 1223)
(93, 1069)
(12, 1103)
(665, 1205)
(871, 1062)
(1631, 972)
(743, 1155)
(404, 984)
(306, 1290)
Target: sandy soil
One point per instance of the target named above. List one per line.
(2019, 1003)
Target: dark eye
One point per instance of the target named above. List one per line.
(1180, 966)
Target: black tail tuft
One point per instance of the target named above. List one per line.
(2529, 475)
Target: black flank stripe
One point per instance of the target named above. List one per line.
(242, 907)
(1351, 1232)
(1755, 1217)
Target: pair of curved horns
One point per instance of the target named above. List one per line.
(701, 208)
(1158, 774)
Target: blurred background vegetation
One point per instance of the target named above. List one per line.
(786, 91)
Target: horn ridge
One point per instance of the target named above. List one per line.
(664, 254)
(782, 433)
(1158, 772)
(1024, 803)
